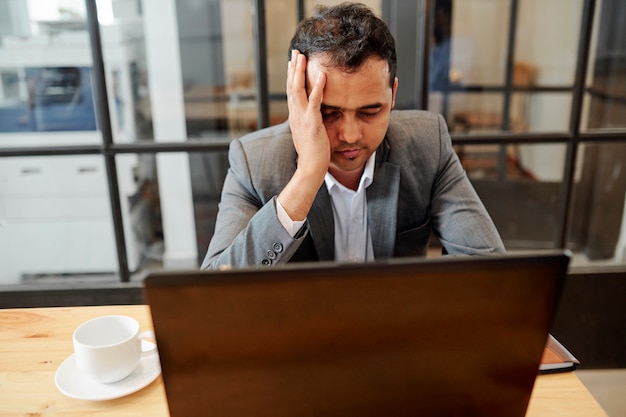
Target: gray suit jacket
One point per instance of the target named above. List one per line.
(419, 187)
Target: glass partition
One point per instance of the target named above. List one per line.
(217, 67)
(520, 190)
(597, 226)
(281, 21)
(151, 224)
(471, 64)
(605, 98)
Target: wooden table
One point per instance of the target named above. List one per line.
(34, 342)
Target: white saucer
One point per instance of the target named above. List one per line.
(73, 383)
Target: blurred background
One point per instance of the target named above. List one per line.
(184, 77)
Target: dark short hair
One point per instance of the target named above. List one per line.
(348, 34)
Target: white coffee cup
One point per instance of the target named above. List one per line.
(108, 348)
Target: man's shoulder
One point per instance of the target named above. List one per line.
(415, 124)
(415, 116)
(415, 141)
(263, 137)
(266, 150)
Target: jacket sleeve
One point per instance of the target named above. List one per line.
(247, 230)
(460, 220)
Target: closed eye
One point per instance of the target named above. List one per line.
(331, 113)
(328, 114)
(368, 114)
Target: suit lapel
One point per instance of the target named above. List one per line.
(322, 225)
(382, 205)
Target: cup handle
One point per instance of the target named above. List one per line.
(148, 334)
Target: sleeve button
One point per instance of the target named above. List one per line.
(278, 247)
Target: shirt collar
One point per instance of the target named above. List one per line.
(366, 178)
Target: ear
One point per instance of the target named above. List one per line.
(394, 90)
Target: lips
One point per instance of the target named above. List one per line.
(350, 153)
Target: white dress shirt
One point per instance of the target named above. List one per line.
(353, 241)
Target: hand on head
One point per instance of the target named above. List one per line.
(305, 118)
(309, 137)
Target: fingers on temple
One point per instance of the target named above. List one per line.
(291, 67)
(315, 98)
(296, 82)
(295, 71)
(296, 90)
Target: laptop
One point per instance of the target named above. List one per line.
(444, 336)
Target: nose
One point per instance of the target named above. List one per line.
(349, 129)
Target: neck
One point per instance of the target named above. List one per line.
(349, 179)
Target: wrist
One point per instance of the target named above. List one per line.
(298, 195)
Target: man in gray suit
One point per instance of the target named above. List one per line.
(346, 178)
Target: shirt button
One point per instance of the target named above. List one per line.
(270, 254)
(278, 247)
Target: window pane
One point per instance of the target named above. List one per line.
(208, 171)
(38, 98)
(605, 100)
(200, 69)
(515, 162)
(523, 201)
(202, 61)
(471, 112)
(45, 75)
(597, 228)
(547, 43)
(467, 51)
(471, 36)
(468, 83)
(47, 81)
(124, 55)
(529, 112)
(547, 112)
(56, 220)
(164, 227)
(281, 19)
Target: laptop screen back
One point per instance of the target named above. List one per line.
(445, 336)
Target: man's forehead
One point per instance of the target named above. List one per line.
(317, 63)
(324, 62)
